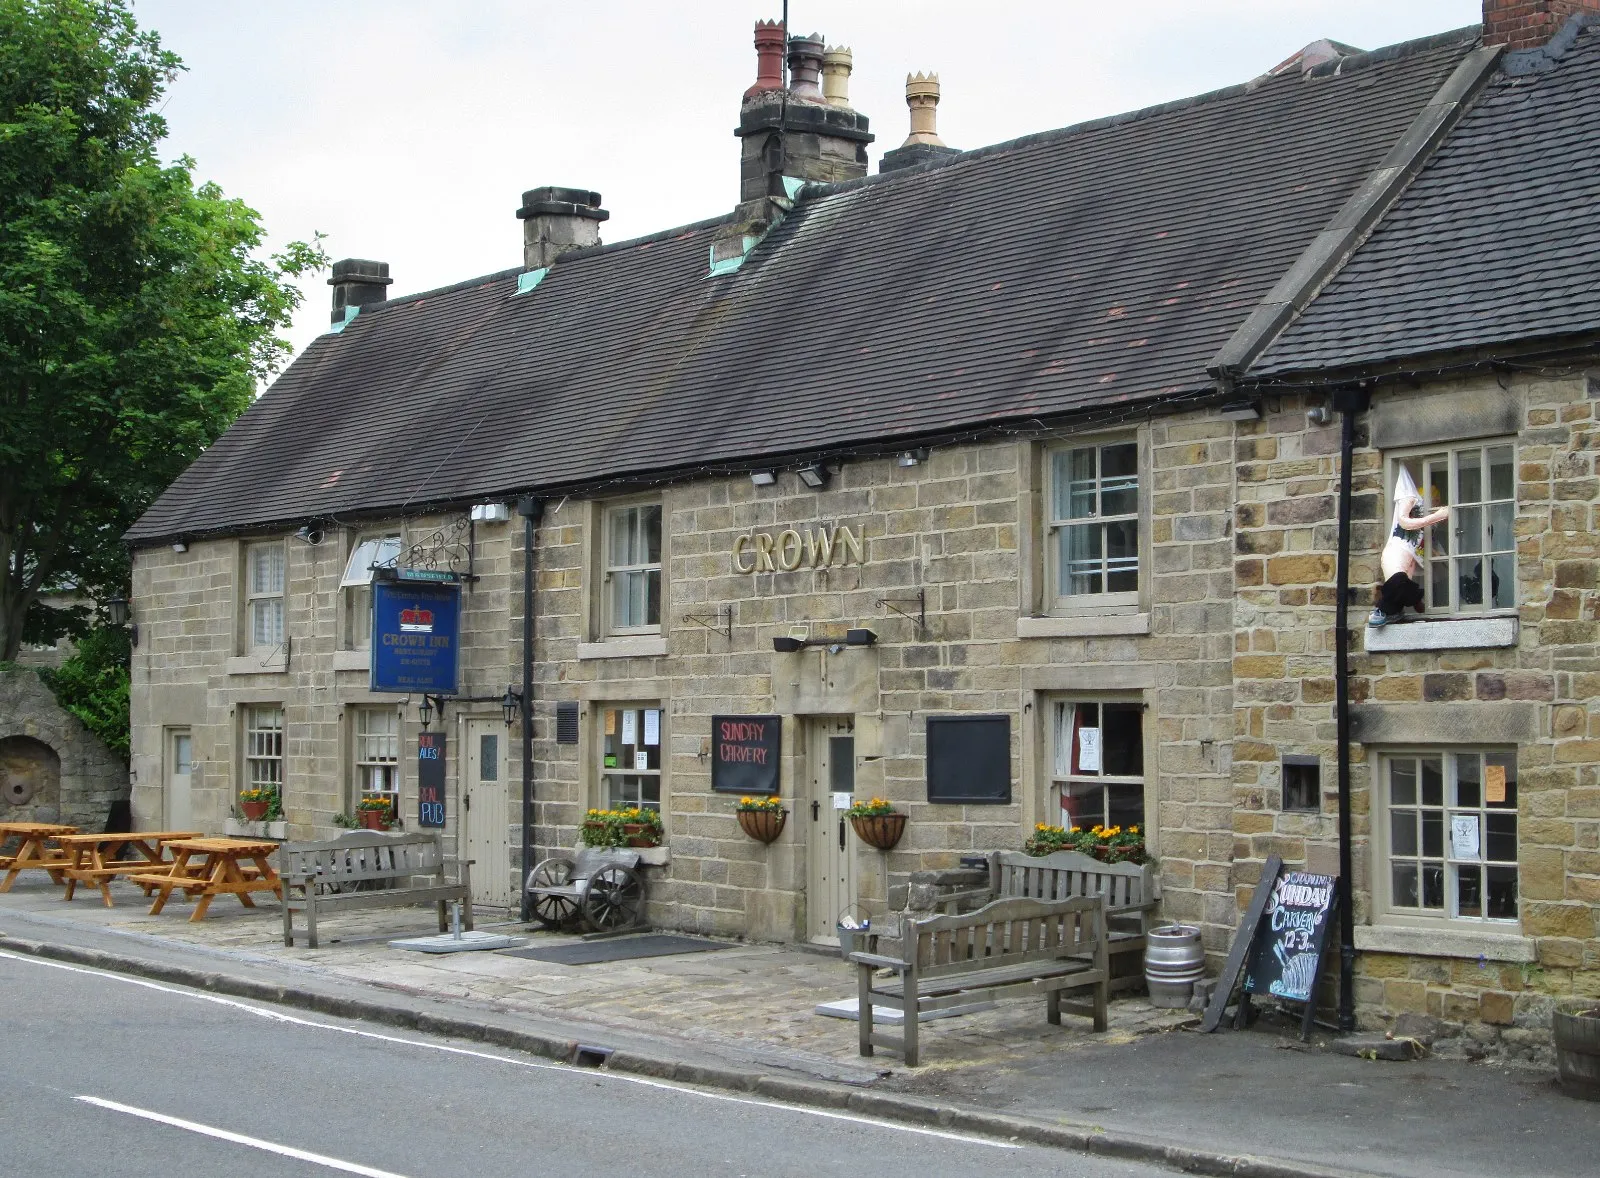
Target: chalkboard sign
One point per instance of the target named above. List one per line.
(1287, 955)
(969, 760)
(430, 779)
(744, 754)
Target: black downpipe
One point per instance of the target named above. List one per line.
(530, 509)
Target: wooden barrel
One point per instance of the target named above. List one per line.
(1576, 1032)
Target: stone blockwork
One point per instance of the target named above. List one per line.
(52, 768)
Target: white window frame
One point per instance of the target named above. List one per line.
(264, 747)
(375, 751)
(266, 603)
(1385, 831)
(1440, 558)
(1058, 598)
(1058, 711)
(368, 552)
(611, 570)
(615, 791)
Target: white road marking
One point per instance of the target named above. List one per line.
(563, 1069)
(287, 1151)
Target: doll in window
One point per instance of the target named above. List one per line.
(1401, 559)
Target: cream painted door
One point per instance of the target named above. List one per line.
(180, 764)
(485, 806)
(831, 877)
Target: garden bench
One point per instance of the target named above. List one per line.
(317, 877)
(601, 885)
(1005, 947)
(1131, 893)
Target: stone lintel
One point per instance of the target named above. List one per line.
(1498, 722)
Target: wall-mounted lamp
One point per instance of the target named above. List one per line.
(859, 637)
(814, 476)
(763, 478)
(492, 513)
(117, 614)
(309, 534)
(912, 457)
(179, 546)
(784, 644)
(1319, 414)
(510, 705)
(425, 709)
(1241, 410)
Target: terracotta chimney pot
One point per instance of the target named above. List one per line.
(805, 66)
(922, 96)
(836, 66)
(769, 58)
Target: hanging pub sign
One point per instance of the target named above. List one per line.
(744, 754)
(430, 779)
(416, 628)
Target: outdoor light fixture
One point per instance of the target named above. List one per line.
(859, 637)
(814, 476)
(511, 704)
(1241, 411)
(426, 707)
(179, 546)
(783, 644)
(309, 534)
(763, 478)
(912, 457)
(117, 615)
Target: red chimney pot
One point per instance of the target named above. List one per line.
(769, 58)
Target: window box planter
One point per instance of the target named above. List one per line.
(254, 811)
(763, 825)
(374, 819)
(882, 831)
(640, 835)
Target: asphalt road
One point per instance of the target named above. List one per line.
(116, 1075)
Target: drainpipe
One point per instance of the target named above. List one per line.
(530, 509)
(1348, 402)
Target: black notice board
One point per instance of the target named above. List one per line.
(430, 779)
(744, 754)
(1289, 945)
(969, 760)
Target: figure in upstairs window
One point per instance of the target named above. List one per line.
(1401, 560)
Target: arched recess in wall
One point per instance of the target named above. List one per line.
(30, 777)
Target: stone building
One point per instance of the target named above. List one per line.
(938, 470)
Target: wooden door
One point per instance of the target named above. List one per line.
(179, 809)
(831, 876)
(485, 805)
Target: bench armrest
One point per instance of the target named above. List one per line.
(878, 961)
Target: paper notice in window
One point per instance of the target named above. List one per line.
(1464, 836)
(842, 801)
(611, 723)
(1494, 784)
(1089, 750)
(641, 760)
(630, 727)
(652, 726)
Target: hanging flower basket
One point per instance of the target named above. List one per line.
(879, 830)
(763, 825)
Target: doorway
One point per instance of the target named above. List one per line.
(180, 767)
(831, 871)
(486, 809)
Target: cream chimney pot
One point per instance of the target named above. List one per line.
(922, 96)
(836, 65)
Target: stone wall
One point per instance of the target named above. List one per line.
(52, 768)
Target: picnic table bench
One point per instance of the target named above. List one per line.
(1131, 893)
(369, 870)
(33, 849)
(212, 867)
(1008, 946)
(95, 859)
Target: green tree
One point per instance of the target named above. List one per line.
(137, 316)
(93, 685)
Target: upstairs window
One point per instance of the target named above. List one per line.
(368, 554)
(1470, 560)
(1092, 541)
(633, 569)
(264, 596)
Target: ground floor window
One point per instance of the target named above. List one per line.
(1097, 759)
(263, 747)
(630, 757)
(377, 752)
(1448, 839)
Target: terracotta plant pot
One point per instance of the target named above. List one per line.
(374, 819)
(254, 811)
(880, 830)
(763, 825)
(640, 835)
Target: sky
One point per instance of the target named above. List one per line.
(407, 130)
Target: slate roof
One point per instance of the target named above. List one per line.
(1097, 266)
(1497, 241)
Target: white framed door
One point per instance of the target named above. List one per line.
(486, 813)
(178, 812)
(831, 858)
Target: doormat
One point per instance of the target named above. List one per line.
(618, 949)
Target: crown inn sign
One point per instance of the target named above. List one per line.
(816, 548)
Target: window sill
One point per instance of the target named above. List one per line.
(235, 828)
(255, 664)
(633, 646)
(1443, 634)
(352, 660)
(1086, 626)
(1445, 942)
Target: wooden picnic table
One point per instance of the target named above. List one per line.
(210, 867)
(95, 858)
(33, 851)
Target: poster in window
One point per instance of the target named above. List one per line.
(1089, 750)
(611, 722)
(652, 726)
(630, 727)
(1464, 841)
(1494, 784)
(641, 760)
(745, 754)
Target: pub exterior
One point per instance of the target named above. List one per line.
(1002, 484)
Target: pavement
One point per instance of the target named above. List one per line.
(1150, 1089)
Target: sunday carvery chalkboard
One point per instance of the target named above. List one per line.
(1291, 940)
(744, 754)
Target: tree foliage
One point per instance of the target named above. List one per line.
(93, 685)
(136, 313)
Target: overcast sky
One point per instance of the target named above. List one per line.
(407, 130)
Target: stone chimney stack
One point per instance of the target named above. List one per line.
(836, 63)
(769, 58)
(556, 221)
(1527, 24)
(923, 145)
(357, 282)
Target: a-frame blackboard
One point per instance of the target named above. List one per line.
(1292, 940)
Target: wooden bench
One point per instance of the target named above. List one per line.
(1005, 947)
(1130, 890)
(329, 877)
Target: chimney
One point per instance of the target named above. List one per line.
(805, 67)
(769, 58)
(836, 75)
(556, 221)
(1527, 24)
(923, 145)
(357, 283)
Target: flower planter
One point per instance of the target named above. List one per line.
(880, 830)
(1577, 1042)
(374, 819)
(254, 811)
(763, 825)
(640, 835)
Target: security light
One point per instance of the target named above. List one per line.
(763, 478)
(814, 476)
(783, 644)
(912, 457)
(1241, 410)
(859, 637)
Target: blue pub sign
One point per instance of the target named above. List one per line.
(416, 631)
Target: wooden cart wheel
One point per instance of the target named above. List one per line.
(615, 899)
(552, 909)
